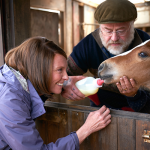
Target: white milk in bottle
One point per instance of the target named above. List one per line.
(89, 86)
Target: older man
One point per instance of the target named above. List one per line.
(115, 35)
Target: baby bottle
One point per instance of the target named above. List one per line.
(89, 86)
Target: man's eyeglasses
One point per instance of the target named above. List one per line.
(119, 32)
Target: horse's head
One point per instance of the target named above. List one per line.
(133, 64)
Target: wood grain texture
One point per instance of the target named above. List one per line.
(76, 32)
(21, 20)
(45, 24)
(48, 4)
(140, 127)
(124, 132)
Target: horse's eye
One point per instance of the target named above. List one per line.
(143, 55)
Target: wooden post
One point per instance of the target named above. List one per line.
(68, 27)
(1, 37)
(16, 22)
(21, 20)
(76, 33)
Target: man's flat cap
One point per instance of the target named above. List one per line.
(114, 11)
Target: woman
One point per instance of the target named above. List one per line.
(34, 68)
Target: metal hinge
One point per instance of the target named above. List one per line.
(146, 136)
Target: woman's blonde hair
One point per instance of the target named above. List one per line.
(34, 60)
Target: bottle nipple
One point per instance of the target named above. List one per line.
(100, 82)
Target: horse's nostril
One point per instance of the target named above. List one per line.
(100, 68)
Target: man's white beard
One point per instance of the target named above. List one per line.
(121, 48)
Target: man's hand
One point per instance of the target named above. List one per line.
(70, 91)
(127, 87)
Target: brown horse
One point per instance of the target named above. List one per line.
(133, 64)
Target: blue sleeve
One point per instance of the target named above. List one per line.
(18, 129)
(69, 142)
(140, 102)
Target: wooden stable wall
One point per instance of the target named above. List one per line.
(76, 20)
(65, 8)
(124, 133)
(1, 37)
(70, 19)
(143, 20)
(44, 24)
(15, 22)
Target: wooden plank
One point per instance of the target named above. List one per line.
(8, 22)
(76, 32)
(92, 142)
(48, 4)
(81, 20)
(89, 19)
(77, 122)
(105, 139)
(16, 22)
(21, 20)
(143, 19)
(68, 27)
(140, 127)
(63, 125)
(86, 143)
(52, 125)
(45, 24)
(141, 4)
(40, 125)
(108, 136)
(87, 2)
(114, 113)
(61, 34)
(126, 134)
(1, 38)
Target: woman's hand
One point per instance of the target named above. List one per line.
(70, 91)
(95, 121)
(127, 87)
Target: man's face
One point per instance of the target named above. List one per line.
(116, 37)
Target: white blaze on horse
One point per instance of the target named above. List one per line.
(133, 64)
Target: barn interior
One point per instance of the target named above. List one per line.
(66, 22)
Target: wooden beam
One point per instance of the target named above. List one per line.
(1, 41)
(45, 24)
(21, 20)
(125, 131)
(8, 25)
(87, 2)
(16, 22)
(89, 20)
(68, 27)
(142, 4)
(48, 4)
(76, 34)
(61, 36)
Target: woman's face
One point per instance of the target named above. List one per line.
(59, 74)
